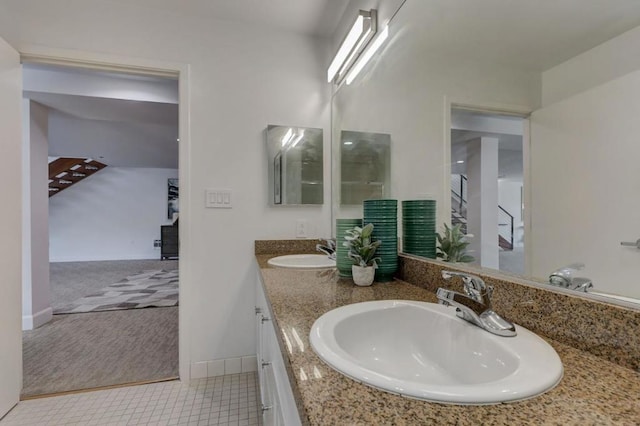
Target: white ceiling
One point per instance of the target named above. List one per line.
(534, 35)
(310, 17)
(121, 110)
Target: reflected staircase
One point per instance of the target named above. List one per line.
(459, 213)
(65, 172)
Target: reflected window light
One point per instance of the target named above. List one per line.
(316, 373)
(303, 375)
(287, 137)
(297, 139)
(287, 341)
(348, 143)
(297, 338)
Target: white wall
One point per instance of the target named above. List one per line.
(242, 77)
(584, 185)
(121, 144)
(111, 215)
(596, 66)
(586, 138)
(10, 229)
(36, 294)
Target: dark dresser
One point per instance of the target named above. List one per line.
(170, 243)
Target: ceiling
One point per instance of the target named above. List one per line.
(111, 117)
(533, 35)
(107, 109)
(310, 17)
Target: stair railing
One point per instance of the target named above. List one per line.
(459, 185)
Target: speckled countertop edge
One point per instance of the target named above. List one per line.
(593, 391)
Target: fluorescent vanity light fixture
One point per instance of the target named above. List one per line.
(384, 34)
(357, 38)
(287, 137)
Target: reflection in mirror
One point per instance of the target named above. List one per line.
(365, 166)
(295, 165)
(486, 186)
(568, 75)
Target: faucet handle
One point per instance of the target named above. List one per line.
(474, 286)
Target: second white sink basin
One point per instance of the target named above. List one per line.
(303, 261)
(424, 351)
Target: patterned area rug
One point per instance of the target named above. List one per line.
(157, 288)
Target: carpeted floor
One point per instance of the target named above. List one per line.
(155, 288)
(81, 351)
(95, 349)
(72, 280)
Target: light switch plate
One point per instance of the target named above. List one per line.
(218, 199)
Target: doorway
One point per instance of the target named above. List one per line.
(114, 301)
(487, 186)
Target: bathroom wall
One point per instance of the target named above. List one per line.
(112, 215)
(586, 137)
(11, 247)
(584, 197)
(241, 77)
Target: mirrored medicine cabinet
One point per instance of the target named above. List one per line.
(295, 165)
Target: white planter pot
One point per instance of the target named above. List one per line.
(363, 275)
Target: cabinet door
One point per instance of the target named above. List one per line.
(278, 405)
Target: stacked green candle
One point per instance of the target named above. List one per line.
(383, 214)
(419, 227)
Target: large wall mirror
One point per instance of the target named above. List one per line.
(294, 157)
(547, 95)
(364, 166)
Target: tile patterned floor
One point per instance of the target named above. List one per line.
(224, 400)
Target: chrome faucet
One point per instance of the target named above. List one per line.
(328, 248)
(564, 277)
(475, 305)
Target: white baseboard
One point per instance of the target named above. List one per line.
(29, 322)
(220, 367)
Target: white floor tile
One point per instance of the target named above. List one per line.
(209, 401)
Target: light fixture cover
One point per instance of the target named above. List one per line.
(368, 54)
(357, 38)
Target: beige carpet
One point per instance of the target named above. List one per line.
(87, 350)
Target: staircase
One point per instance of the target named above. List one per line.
(65, 171)
(459, 213)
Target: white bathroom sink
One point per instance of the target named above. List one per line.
(303, 261)
(423, 350)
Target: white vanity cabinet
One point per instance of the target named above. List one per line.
(278, 404)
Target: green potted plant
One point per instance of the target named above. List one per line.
(362, 251)
(453, 245)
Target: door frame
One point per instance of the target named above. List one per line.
(491, 108)
(109, 62)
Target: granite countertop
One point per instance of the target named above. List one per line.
(593, 391)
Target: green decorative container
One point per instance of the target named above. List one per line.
(343, 263)
(419, 228)
(383, 214)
